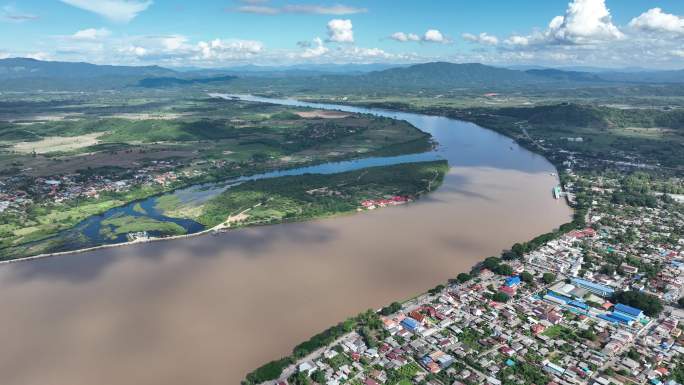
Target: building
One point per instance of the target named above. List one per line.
(628, 311)
(596, 288)
(512, 281)
(410, 324)
(557, 192)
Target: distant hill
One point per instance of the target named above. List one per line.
(674, 76)
(452, 75)
(16, 68)
(572, 76)
(31, 74)
(584, 115)
(173, 81)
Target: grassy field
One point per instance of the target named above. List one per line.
(44, 221)
(115, 226)
(67, 136)
(171, 206)
(48, 222)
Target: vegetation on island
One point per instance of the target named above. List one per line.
(124, 224)
(295, 198)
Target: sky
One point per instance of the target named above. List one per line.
(225, 33)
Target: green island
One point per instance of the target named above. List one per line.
(124, 224)
(297, 198)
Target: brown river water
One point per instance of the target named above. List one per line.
(208, 309)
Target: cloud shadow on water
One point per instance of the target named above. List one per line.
(249, 242)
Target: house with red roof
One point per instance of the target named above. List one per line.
(537, 329)
(508, 290)
(416, 315)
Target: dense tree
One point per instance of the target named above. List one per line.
(436, 289)
(500, 297)
(607, 269)
(504, 269)
(548, 278)
(518, 249)
(299, 378)
(463, 277)
(391, 309)
(587, 334)
(318, 376)
(526, 277)
(269, 371)
(491, 263)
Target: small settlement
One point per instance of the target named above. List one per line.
(597, 305)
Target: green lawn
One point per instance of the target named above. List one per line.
(125, 224)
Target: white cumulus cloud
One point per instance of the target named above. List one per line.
(91, 34)
(174, 42)
(434, 36)
(121, 11)
(430, 36)
(218, 49)
(340, 31)
(404, 37)
(678, 53)
(585, 21)
(655, 20)
(316, 49)
(482, 38)
(516, 40)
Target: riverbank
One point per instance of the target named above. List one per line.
(293, 199)
(343, 162)
(153, 305)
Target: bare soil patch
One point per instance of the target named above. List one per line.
(58, 143)
(322, 114)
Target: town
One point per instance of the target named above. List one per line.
(598, 302)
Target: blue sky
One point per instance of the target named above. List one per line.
(221, 33)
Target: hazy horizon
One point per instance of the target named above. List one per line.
(222, 34)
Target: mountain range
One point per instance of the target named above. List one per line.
(24, 73)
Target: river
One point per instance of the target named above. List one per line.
(208, 309)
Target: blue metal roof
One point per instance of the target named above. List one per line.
(632, 311)
(409, 323)
(608, 318)
(579, 304)
(559, 296)
(593, 285)
(510, 281)
(621, 318)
